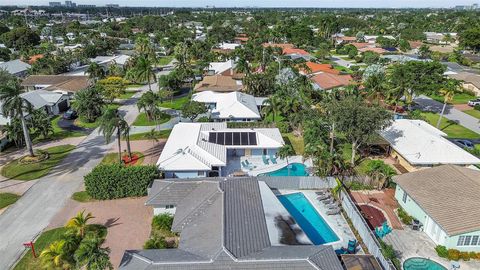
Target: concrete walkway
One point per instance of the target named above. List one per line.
(427, 104)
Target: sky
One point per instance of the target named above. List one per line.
(262, 3)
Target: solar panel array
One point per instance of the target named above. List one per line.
(233, 138)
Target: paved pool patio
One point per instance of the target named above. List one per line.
(259, 167)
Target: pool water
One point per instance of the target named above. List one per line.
(311, 222)
(293, 169)
(421, 264)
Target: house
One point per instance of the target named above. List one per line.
(417, 145)
(314, 68)
(215, 68)
(52, 102)
(104, 61)
(203, 149)
(228, 224)
(57, 83)
(373, 49)
(295, 53)
(232, 106)
(279, 45)
(16, 67)
(327, 81)
(228, 46)
(470, 81)
(218, 83)
(340, 38)
(445, 201)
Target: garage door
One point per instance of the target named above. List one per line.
(63, 106)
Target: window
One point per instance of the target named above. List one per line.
(474, 240)
(170, 206)
(461, 240)
(404, 199)
(468, 238)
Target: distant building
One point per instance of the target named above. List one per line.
(70, 4)
(112, 5)
(16, 67)
(55, 4)
(86, 6)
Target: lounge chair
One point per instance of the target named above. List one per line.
(328, 201)
(265, 160)
(249, 165)
(323, 197)
(386, 229)
(352, 246)
(273, 159)
(333, 205)
(335, 211)
(244, 165)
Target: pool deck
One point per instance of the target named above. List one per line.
(336, 222)
(234, 165)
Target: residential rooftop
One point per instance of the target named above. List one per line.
(57, 82)
(233, 105)
(218, 83)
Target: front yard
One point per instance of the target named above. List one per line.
(474, 113)
(7, 198)
(458, 98)
(18, 171)
(142, 120)
(176, 103)
(452, 129)
(162, 134)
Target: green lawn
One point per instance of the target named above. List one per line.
(458, 98)
(165, 60)
(112, 158)
(27, 262)
(79, 122)
(296, 142)
(82, 196)
(162, 134)
(474, 113)
(127, 94)
(58, 132)
(452, 129)
(14, 170)
(176, 103)
(8, 198)
(142, 120)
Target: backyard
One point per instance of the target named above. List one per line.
(31, 171)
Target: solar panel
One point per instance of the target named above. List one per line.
(236, 138)
(244, 138)
(233, 138)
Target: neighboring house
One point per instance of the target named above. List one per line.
(415, 145)
(295, 53)
(279, 45)
(470, 81)
(373, 39)
(327, 81)
(16, 67)
(103, 61)
(374, 49)
(57, 83)
(229, 224)
(233, 106)
(215, 68)
(52, 102)
(228, 46)
(218, 83)
(340, 38)
(314, 68)
(204, 149)
(445, 200)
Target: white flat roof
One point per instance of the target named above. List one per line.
(219, 67)
(230, 105)
(422, 144)
(188, 148)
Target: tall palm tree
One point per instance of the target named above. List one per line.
(143, 71)
(53, 257)
(95, 71)
(14, 107)
(448, 92)
(110, 122)
(91, 255)
(79, 223)
(148, 103)
(272, 106)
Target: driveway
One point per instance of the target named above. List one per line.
(31, 214)
(128, 222)
(427, 104)
(70, 126)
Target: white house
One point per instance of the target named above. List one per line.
(415, 144)
(228, 46)
(203, 149)
(16, 67)
(53, 102)
(215, 68)
(233, 106)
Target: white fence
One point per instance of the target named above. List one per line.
(364, 231)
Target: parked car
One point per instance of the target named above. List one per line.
(464, 143)
(474, 102)
(70, 114)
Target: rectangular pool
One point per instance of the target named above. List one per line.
(311, 222)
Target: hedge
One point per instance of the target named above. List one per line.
(455, 254)
(113, 181)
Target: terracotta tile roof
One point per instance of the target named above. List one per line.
(448, 194)
(218, 83)
(415, 44)
(279, 45)
(360, 45)
(376, 50)
(349, 38)
(34, 58)
(315, 68)
(328, 81)
(295, 51)
(58, 82)
(467, 77)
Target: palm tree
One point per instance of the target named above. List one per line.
(14, 107)
(89, 104)
(272, 106)
(111, 121)
(148, 103)
(152, 135)
(125, 129)
(91, 255)
(380, 172)
(143, 71)
(41, 123)
(448, 92)
(285, 151)
(53, 257)
(95, 71)
(79, 223)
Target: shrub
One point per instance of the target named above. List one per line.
(162, 222)
(283, 126)
(477, 107)
(155, 243)
(453, 254)
(114, 181)
(203, 119)
(404, 216)
(441, 251)
(465, 256)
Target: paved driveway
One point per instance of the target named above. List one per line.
(428, 104)
(128, 222)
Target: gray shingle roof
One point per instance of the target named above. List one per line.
(222, 224)
(14, 66)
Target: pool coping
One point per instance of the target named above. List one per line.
(418, 257)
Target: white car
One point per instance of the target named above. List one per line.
(474, 102)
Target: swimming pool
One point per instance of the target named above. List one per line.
(311, 222)
(421, 264)
(293, 169)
